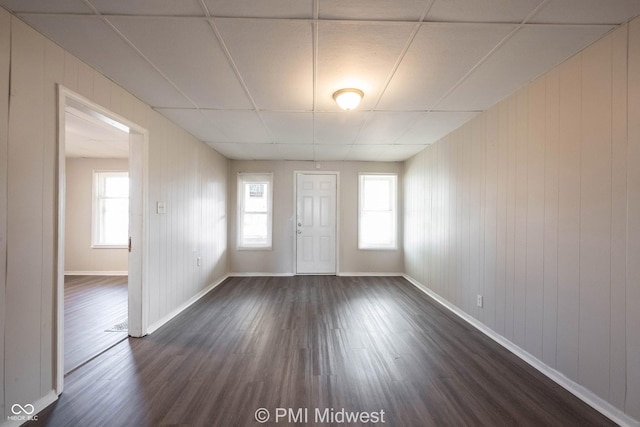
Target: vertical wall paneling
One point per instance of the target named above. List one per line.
(542, 196)
(550, 243)
(595, 223)
(633, 225)
(5, 49)
(501, 218)
(490, 217)
(25, 215)
(520, 264)
(534, 292)
(618, 358)
(569, 154)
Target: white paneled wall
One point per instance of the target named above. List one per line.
(189, 176)
(535, 204)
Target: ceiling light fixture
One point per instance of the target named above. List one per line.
(348, 99)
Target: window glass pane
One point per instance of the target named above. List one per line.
(114, 221)
(256, 197)
(377, 228)
(377, 194)
(255, 230)
(116, 186)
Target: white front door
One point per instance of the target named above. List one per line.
(316, 223)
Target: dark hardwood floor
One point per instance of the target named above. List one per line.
(92, 304)
(360, 343)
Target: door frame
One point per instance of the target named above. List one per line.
(295, 216)
(138, 258)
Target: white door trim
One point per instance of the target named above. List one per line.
(138, 153)
(295, 215)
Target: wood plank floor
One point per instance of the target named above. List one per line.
(358, 343)
(92, 304)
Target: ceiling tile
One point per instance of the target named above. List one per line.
(149, 7)
(261, 9)
(289, 127)
(385, 10)
(399, 153)
(356, 55)
(440, 55)
(326, 153)
(46, 6)
(529, 53)
(231, 150)
(95, 43)
(261, 151)
(587, 12)
(275, 60)
(338, 128)
(367, 153)
(238, 126)
(385, 127)
(295, 151)
(433, 126)
(188, 53)
(514, 11)
(194, 122)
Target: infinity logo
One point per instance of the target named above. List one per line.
(27, 409)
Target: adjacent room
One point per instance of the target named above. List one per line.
(320, 212)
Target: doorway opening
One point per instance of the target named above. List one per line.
(316, 233)
(101, 256)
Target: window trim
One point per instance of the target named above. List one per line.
(94, 210)
(394, 210)
(257, 177)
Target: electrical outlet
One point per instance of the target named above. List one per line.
(479, 301)
(198, 261)
(161, 208)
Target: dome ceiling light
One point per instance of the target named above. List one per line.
(348, 99)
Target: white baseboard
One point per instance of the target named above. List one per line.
(581, 392)
(38, 406)
(261, 274)
(96, 273)
(156, 325)
(368, 274)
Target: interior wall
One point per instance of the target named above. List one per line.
(79, 256)
(176, 161)
(535, 204)
(280, 259)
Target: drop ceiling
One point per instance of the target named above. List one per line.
(254, 79)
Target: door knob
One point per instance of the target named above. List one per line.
(299, 231)
(299, 224)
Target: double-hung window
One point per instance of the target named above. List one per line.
(377, 212)
(110, 209)
(255, 206)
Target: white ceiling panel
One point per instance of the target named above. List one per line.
(188, 53)
(356, 55)
(326, 153)
(587, 11)
(433, 126)
(261, 9)
(398, 153)
(195, 122)
(367, 153)
(275, 60)
(46, 6)
(440, 55)
(296, 128)
(238, 126)
(231, 150)
(92, 41)
(384, 10)
(338, 128)
(528, 54)
(513, 11)
(295, 151)
(261, 151)
(384, 127)
(149, 7)
(89, 138)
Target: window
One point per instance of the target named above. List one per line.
(110, 209)
(254, 210)
(377, 222)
